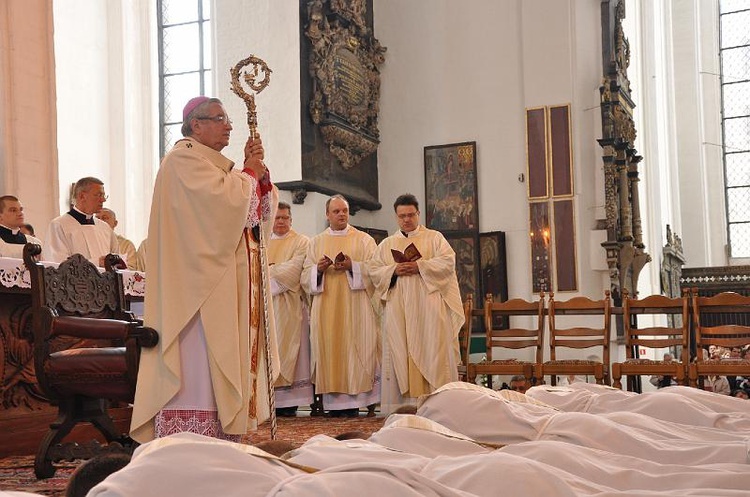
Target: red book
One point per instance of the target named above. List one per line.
(410, 254)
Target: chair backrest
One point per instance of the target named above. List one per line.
(723, 335)
(580, 337)
(514, 337)
(657, 336)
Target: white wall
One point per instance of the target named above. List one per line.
(107, 121)
(697, 131)
(456, 74)
(269, 30)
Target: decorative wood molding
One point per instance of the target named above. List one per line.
(626, 252)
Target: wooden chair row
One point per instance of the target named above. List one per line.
(688, 330)
(694, 328)
(515, 338)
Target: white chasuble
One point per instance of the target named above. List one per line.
(344, 328)
(422, 314)
(198, 265)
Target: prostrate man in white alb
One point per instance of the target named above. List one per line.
(12, 239)
(126, 247)
(414, 273)
(286, 253)
(78, 231)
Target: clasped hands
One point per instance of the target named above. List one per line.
(342, 264)
(406, 268)
(254, 154)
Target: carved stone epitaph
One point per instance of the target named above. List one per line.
(340, 89)
(345, 66)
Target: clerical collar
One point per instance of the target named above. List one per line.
(339, 232)
(274, 236)
(14, 237)
(410, 233)
(81, 217)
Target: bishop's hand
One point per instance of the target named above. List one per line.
(254, 154)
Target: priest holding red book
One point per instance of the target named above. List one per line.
(414, 273)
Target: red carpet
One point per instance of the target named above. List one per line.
(17, 473)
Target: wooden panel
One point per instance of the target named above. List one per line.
(539, 237)
(536, 152)
(22, 430)
(565, 246)
(494, 271)
(561, 154)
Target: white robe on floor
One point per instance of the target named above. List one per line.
(675, 404)
(486, 416)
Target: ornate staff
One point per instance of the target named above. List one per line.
(255, 66)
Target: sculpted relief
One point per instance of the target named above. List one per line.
(344, 67)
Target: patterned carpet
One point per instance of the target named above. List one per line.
(17, 473)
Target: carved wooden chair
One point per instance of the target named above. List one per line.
(721, 335)
(578, 337)
(654, 337)
(86, 352)
(513, 338)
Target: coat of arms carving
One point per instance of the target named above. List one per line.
(345, 70)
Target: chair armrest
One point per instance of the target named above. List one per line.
(108, 329)
(93, 328)
(146, 337)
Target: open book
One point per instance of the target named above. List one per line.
(340, 257)
(410, 254)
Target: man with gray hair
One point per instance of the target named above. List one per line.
(208, 373)
(78, 231)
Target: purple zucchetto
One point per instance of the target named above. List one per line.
(191, 105)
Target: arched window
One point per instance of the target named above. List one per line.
(184, 62)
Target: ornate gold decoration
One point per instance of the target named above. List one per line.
(344, 66)
(348, 146)
(257, 67)
(626, 255)
(624, 125)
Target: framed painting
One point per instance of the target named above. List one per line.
(493, 270)
(378, 235)
(466, 247)
(450, 173)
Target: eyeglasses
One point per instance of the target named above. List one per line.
(284, 218)
(100, 196)
(408, 215)
(217, 119)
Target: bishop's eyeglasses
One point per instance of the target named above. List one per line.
(217, 119)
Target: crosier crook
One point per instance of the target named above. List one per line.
(256, 66)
